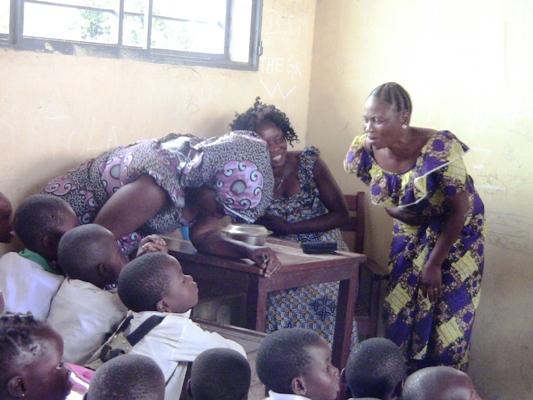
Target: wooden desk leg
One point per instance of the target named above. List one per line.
(256, 299)
(344, 320)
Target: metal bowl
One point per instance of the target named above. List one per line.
(252, 234)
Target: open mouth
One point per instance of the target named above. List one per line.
(277, 158)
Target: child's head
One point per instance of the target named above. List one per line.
(439, 383)
(91, 253)
(297, 361)
(375, 368)
(222, 374)
(155, 282)
(30, 360)
(6, 219)
(40, 222)
(128, 377)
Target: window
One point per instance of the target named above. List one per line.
(219, 33)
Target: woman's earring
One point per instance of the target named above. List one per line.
(404, 126)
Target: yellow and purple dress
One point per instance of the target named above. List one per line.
(439, 333)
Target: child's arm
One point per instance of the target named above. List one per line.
(152, 244)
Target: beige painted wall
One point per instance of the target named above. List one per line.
(57, 110)
(467, 66)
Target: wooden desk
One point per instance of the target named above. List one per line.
(298, 269)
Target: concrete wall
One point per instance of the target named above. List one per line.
(467, 66)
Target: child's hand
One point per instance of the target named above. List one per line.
(152, 244)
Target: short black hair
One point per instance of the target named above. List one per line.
(260, 113)
(82, 248)
(39, 215)
(433, 382)
(20, 334)
(283, 356)
(395, 95)
(374, 368)
(220, 374)
(128, 377)
(143, 282)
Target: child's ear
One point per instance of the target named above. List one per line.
(188, 389)
(162, 306)
(397, 393)
(298, 385)
(16, 386)
(50, 243)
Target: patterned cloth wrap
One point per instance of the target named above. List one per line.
(236, 165)
(428, 333)
(315, 306)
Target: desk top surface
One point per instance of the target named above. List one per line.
(289, 253)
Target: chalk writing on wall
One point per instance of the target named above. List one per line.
(510, 231)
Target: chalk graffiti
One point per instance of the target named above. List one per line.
(277, 88)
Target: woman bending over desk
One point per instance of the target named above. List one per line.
(159, 185)
(308, 206)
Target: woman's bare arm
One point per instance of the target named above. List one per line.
(452, 227)
(207, 237)
(131, 206)
(332, 197)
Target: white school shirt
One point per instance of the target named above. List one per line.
(173, 343)
(26, 286)
(84, 314)
(283, 396)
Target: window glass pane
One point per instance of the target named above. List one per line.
(185, 25)
(241, 25)
(83, 3)
(98, 26)
(4, 16)
(135, 6)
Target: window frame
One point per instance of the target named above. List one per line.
(17, 41)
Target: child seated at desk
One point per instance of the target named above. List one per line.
(376, 369)
(222, 374)
(154, 284)
(82, 311)
(30, 360)
(128, 377)
(30, 279)
(295, 363)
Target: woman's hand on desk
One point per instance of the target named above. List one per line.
(274, 224)
(266, 259)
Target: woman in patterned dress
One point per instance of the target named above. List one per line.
(436, 256)
(308, 206)
(159, 185)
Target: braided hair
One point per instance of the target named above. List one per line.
(20, 334)
(395, 95)
(260, 113)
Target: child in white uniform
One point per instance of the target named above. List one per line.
(154, 284)
(30, 279)
(295, 364)
(82, 311)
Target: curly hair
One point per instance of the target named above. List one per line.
(260, 113)
(144, 281)
(20, 334)
(283, 356)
